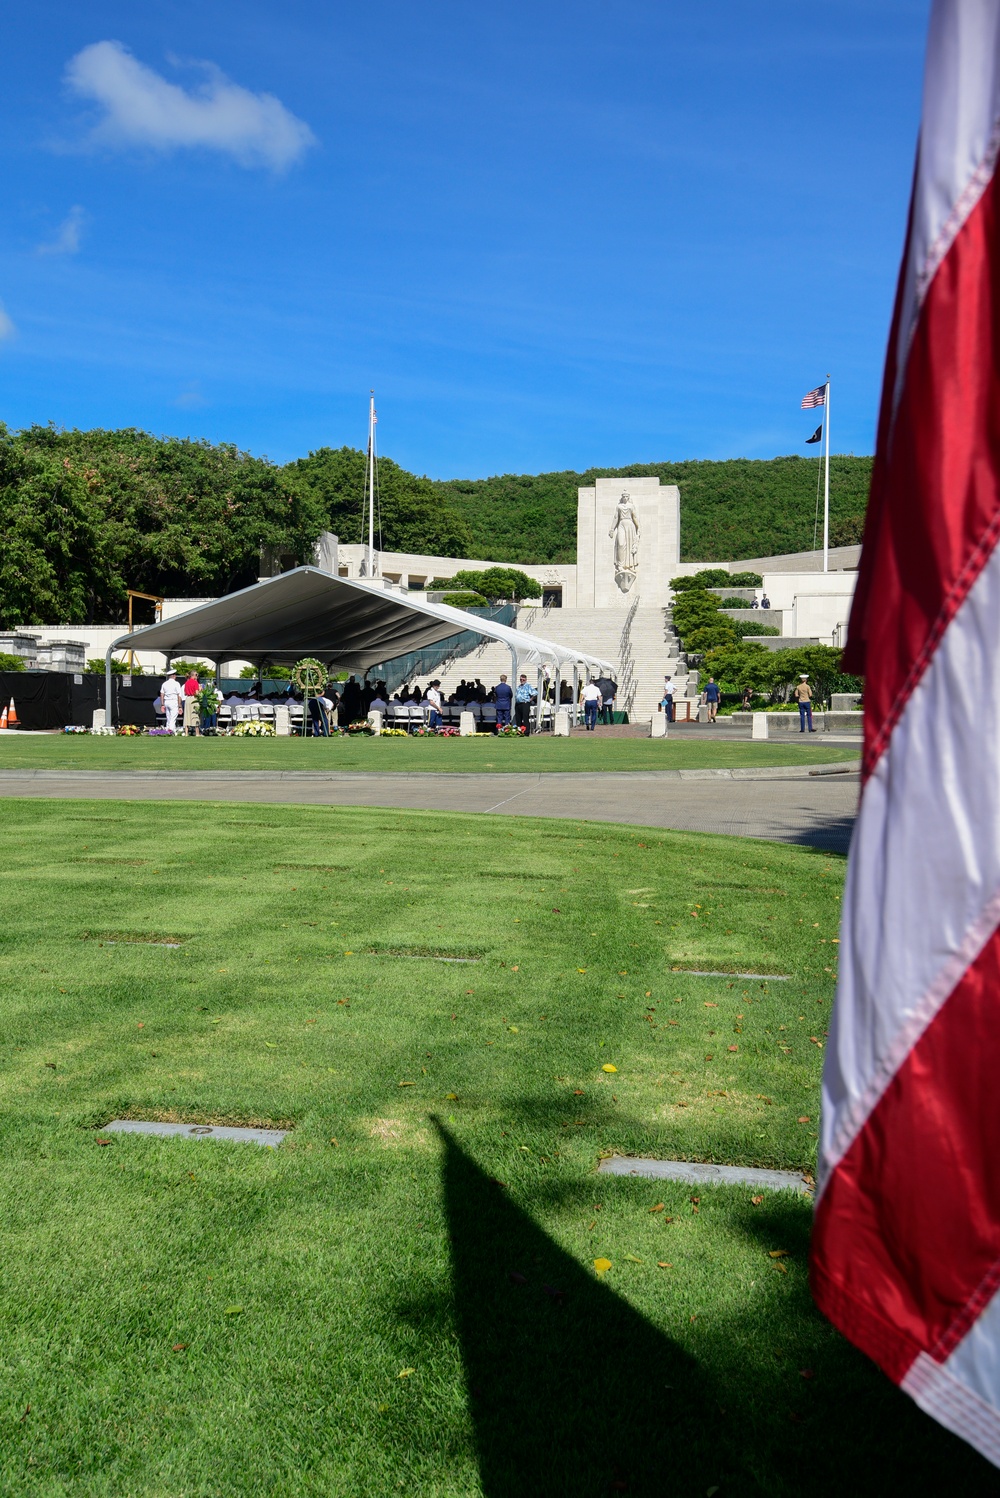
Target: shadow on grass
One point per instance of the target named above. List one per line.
(571, 1391)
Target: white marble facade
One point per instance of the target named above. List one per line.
(628, 542)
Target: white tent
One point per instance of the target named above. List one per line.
(345, 622)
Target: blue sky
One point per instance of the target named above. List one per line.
(549, 235)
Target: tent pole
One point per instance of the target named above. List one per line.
(576, 691)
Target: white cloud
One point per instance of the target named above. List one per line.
(7, 328)
(144, 109)
(67, 240)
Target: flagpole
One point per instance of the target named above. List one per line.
(371, 486)
(826, 491)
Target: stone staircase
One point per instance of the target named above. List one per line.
(640, 641)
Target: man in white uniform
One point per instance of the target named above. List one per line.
(170, 693)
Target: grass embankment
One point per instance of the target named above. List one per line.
(368, 1309)
(539, 754)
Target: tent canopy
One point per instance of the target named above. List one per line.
(351, 623)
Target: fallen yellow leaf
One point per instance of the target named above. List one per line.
(778, 1253)
(633, 1258)
(407, 1084)
(608, 1067)
(657, 1208)
(602, 1265)
(451, 1097)
(405, 1372)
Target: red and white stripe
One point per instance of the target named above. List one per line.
(906, 1245)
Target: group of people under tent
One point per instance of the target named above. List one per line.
(351, 701)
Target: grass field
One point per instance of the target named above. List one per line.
(402, 1297)
(537, 754)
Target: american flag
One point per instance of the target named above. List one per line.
(815, 397)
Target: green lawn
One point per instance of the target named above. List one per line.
(402, 1297)
(686, 750)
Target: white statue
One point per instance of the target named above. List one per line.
(625, 534)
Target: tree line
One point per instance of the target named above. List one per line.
(86, 515)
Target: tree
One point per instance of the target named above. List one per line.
(700, 623)
(739, 666)
(118, 668)
(11, 662)
(498, 584)
(85, 515)
(410, 516)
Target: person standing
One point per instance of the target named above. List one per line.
(503, 695)
(712, 695)
(524, 696)
(668, 698)
(803, 696)
(591, 699)
(434, 703)
(170, 695)
(609, 692)
(192, 686)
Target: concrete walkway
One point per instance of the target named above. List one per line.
(794, 804)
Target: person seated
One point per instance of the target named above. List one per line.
(378, 704)
(234, 700)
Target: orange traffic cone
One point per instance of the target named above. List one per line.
(12, 716)
(3, 719)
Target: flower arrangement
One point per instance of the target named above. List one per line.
(209, 700)
(395, 733)
(103, 733)
(129, 730)
(436, 733)
(510, 731)
(254, 729)
(75, 728)
(361, 728)
(160, 733)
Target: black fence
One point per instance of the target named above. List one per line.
(53, 699)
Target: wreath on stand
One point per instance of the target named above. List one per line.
(309, 675)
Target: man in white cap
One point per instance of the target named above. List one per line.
(803, 696)
(170, 694)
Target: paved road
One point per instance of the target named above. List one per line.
(784, 805)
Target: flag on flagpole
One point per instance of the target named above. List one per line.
(815, 397)
(906, 1241)
(816, 436)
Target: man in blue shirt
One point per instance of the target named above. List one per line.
(524, 696)
(712, 695)
(503, 696)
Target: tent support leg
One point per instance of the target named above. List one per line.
(576, 693)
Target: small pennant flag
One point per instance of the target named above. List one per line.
(815, 436)
(815, 397)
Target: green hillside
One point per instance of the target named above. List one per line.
(741, 507)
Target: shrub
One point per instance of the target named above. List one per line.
(465, 600)
(734, 603)
(11, 662)
(118, 668)
(498, 584)
(745, 580)
(745, 627)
